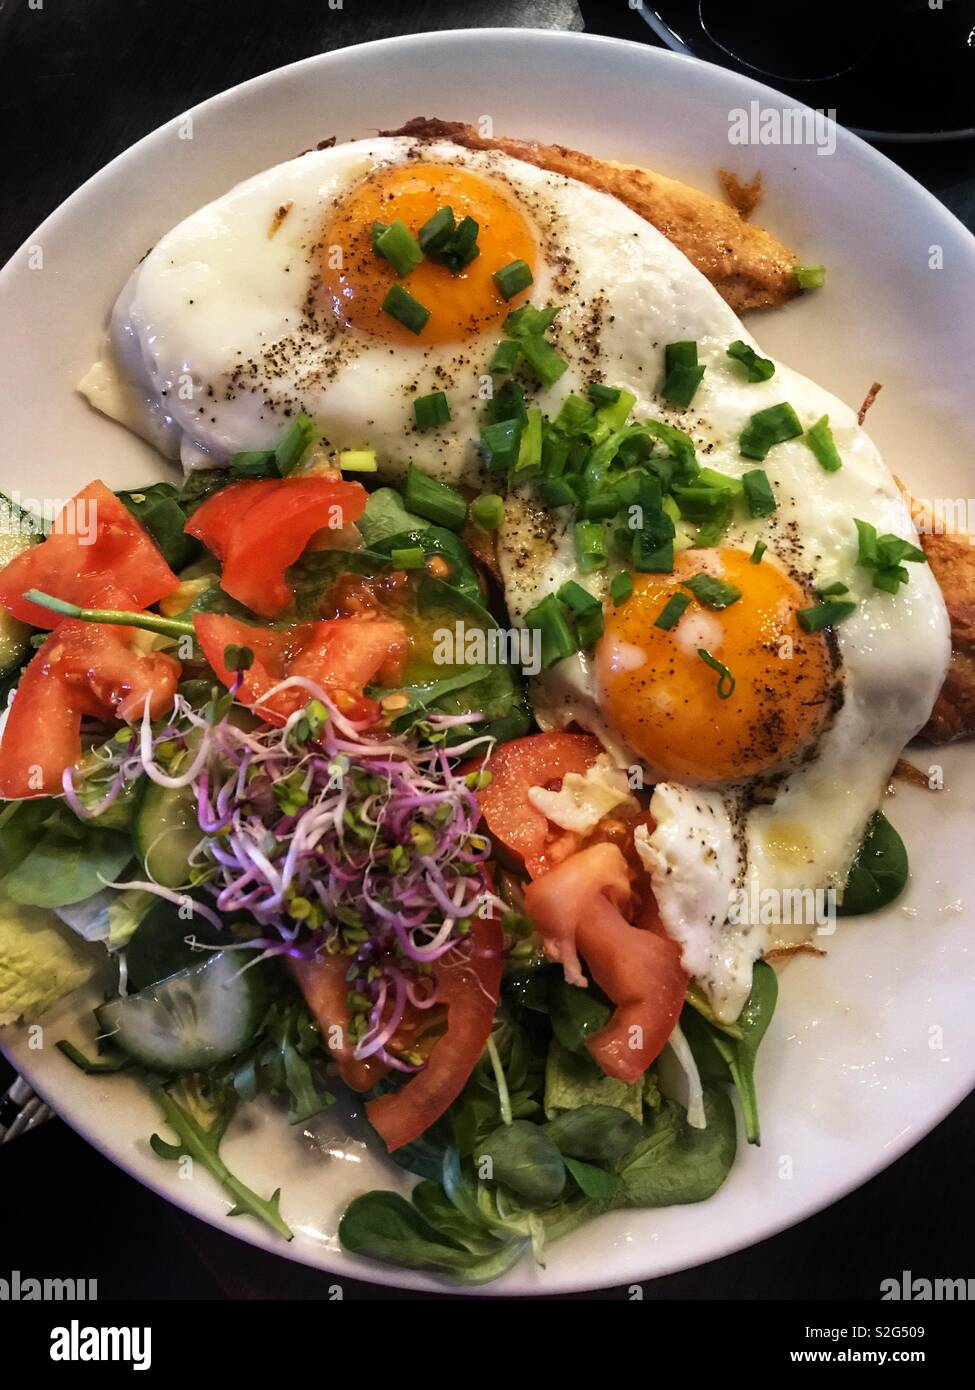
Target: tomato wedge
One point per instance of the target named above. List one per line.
(468, 983)
(324, 984)
(577, 909)
(260, 527)
(341, 654)
(539, 760)
(82, 668)
(94, 539)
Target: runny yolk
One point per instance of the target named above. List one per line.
(664, 699)
(355, 279)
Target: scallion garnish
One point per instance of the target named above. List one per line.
(726, 681)
(672, 611)
(487, 511)
(556, 492)
(682, 374)
(824, 614)
(436, 230)
(621, 587)
(712, 592)
(810, 277)
(529, 458)
(831, 590)
(401, 306)
(288, 453)
(587, 611)
(819, 437)
(757, 368)
(758, 551)
(505, 356)
(557, 638)
(886, 556)
(499, 444)
(528, 322)
(771, 426)
(602, 395)
(410, 558)
(591, 550)
(511, 279)
(436, 501)
(758, 493)
(358, 461)
(541, 356)
(430, 411)
(602, 506)
(398, 245)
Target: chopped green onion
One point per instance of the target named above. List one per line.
(555, 492)
(602, 506)
(487, 511)
(621, 587)
(511, 279)
(557, 638)
(436, 501)
(831, 590)
(508, 403)
(436, 230)
(886, 555)
(757, 368)
(401, 306)
(587, 610)
(529, 322)
(555, 451)
(867, 543)
(590, 538)
(612, 417)
(758, 493)
(432, 410)
(399, 246)
(772, 426)
(819, 437)
(254, 463)
(890, 579)
(603, 395)
(758, 552)
(499, 444)
(672, 611)
(505, 356)
(824, 614)
(712, 592)
(810, 277)
(530, 445)
(376, 232)
(682, 373)
(726, 681)
(544, 361)
(653, 550)
(575, 413)
(358, 461)
(288, 453)
(409, 559)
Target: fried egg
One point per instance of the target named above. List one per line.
(268, 302)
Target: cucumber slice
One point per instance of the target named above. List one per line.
(192, 1020)
(18, 531)
(157, 947)
(166, 832)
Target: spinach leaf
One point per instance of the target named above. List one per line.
(575, 1013)
(67, 863)
(20, 825)
(572, 1081)
(437, 540)
(720, 1057)
(159, 510)
(523, 1158)
(385, 515)
(880, 870)
(384, 1226)
(435, 1206)
(675, 1164)
(200, 484)
(594, 1182)
(598, 1133)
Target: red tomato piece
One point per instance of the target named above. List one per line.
(468, 983)
(323, 983)
(341, 654)
(539, 760)
(82, 668)
(94, 540)
(577, 909)
(264, 525)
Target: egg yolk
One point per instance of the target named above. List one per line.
(666, 701)
(355, 279)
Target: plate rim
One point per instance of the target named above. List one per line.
(343, 1264)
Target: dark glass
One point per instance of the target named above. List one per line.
(891, 68)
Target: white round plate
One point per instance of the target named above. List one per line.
(872, 1045)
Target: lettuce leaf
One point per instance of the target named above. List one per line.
(40, 962)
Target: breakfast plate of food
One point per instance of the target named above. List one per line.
(487, 669)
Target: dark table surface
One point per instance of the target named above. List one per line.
(80, 80)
